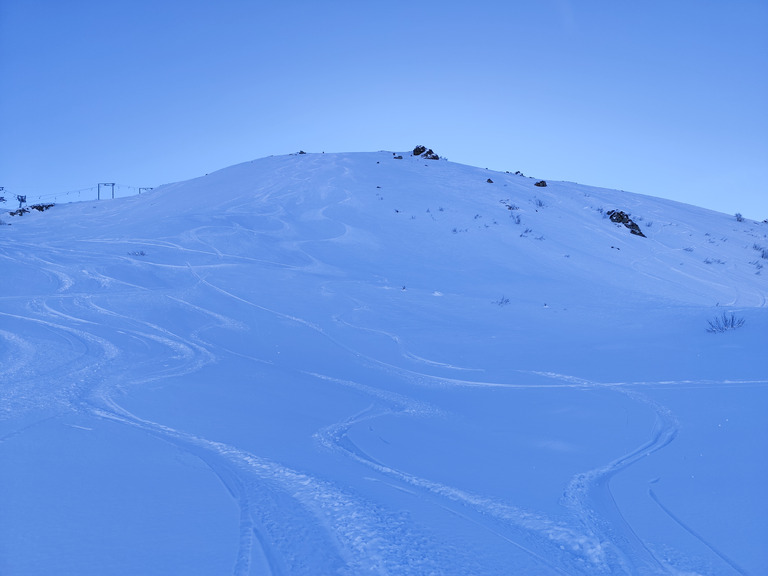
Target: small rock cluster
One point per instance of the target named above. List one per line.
(425, 152)
(620, 217)
(38, 207)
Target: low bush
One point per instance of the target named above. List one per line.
(503, 301)
(724, 322)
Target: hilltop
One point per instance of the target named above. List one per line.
(382, 362)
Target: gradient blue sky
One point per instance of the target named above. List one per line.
(666, 98)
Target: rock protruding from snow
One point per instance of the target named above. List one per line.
(425, 152)
(620, 217)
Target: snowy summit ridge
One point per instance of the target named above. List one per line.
(453, 213)
(382, 363)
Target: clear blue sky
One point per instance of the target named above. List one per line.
(662, 98)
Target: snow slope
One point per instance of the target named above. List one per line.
(357, 364)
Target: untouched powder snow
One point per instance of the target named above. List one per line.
(358, 364)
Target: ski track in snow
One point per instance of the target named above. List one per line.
(291, 521)
(241, 464)
(358, 536)
(600, 541)
(602, 538)
(592, 547)
(334, 438)
(91, 353)
(598, 553)
(280, 507)
(696, 535)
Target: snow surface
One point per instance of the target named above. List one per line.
(354, 364)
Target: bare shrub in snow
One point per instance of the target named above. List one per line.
(724, 322)
(510, 206)
(739, 217)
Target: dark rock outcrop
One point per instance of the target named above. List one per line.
(541, 184)
(620, 217)
(425, 152)
(41, 207)
(38, 207)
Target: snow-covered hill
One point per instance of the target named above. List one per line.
(365, 364)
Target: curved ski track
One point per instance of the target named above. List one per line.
(339, 531)
(279, 505)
